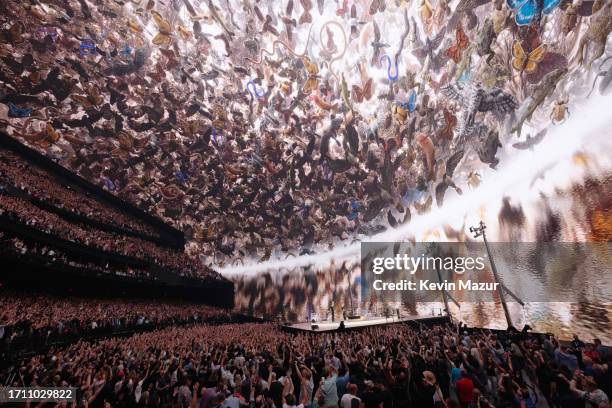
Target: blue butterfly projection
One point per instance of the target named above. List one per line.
(529, 10)
(411, 104)
(87, 46)
(304, 210)
(15, 112)
(182, 177)
(127, 50)
(467, 74)
(109, 184)
(355, 208)
(412, 101)
(217, 138)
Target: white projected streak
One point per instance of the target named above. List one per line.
(587, 131)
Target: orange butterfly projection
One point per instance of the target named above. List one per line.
(313, 76)
(134, 26)
(522, 61)
(163, 37)
(364, 93)
(461, 44)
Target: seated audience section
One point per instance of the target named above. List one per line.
(60, 231)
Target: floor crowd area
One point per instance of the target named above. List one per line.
(259, 365)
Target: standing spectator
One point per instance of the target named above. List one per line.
(184, 393)
(576, 343)
(600, 349)
(592, 396)
(348, 399)
(276, 388)
(507, 397)
(565, 358)
(465, 389)
(290, 402)
(329, 391)
(306, 384)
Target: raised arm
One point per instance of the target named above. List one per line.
(298, 371)
(270, 371)
(194, 397)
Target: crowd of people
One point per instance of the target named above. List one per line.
(29, 319)
(27, 213)
(41, 185)
(259, 365)
(32, 251)
(34, 185)
(256, 129)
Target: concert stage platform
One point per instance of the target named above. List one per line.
(351, 324)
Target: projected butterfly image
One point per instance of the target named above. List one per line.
(455, 51)
(530, 11)
(87, 47)
(313, 76)
(527, 62)
(410, 104)
(365, 92)
(164, 36)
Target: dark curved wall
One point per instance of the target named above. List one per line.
(35, 276)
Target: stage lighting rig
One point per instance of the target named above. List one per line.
(480, 231)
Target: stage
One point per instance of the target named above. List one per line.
(350, 324)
